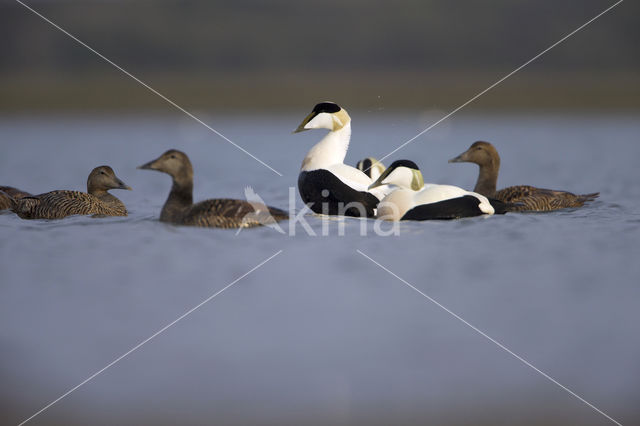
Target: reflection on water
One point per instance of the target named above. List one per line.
(320, 334)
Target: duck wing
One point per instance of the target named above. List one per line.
(59, 204)
(530, 198)
(229, 213)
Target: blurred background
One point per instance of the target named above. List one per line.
(320, 335)
(252, 54)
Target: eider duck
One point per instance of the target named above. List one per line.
(8, 195)
(325, 183)
(218, 213)
(58, 204)
(413, 200)
(521, 197)
(371, 167)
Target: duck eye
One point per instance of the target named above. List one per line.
(172, 156)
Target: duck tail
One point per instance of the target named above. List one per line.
(588, 197)
(278, 214)
(8, 198)
(502, 207)
(24, 206)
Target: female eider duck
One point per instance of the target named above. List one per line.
(413, 200)
(522, 197)
(371, 167)
(9, 195)
(219, 213)
(58, 204)
(325, 183)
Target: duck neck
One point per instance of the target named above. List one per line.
(488, 178)
(180, 197)
(330, 150)
(96, 191)
(104, 196)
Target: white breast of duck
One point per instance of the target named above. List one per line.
(323, 168)
(411, 199)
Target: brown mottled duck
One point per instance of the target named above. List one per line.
(9, 195)
(179, 208)
(58, 204)
(523, 197)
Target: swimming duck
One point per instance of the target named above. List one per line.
(522, 197)
(371, 167)
(219, 213)
(415, 200)
(58, 204)
(8, 195)
(325, 183)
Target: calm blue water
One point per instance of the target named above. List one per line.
(320, 334)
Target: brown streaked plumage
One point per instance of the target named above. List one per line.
(14, 193)
(8, 196)
(6, 201)
(58, 204)
(218, 213)
(524, 197)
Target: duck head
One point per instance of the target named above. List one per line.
(371, 167)
(174, 163)
(325, 115)
(481, 153)
(103, 178)
(402, 173)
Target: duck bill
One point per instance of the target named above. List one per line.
(148, 166)
(118, 184)
(462, 158)
(379, 181)
(307, 119)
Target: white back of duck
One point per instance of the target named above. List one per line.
(411, 192)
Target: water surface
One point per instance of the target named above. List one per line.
(320, 334)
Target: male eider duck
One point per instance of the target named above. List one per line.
(219, 213)
(413, 200)
(523, 197)
(58, 204)
(371, 167)
(9, 195)
(325, 183)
